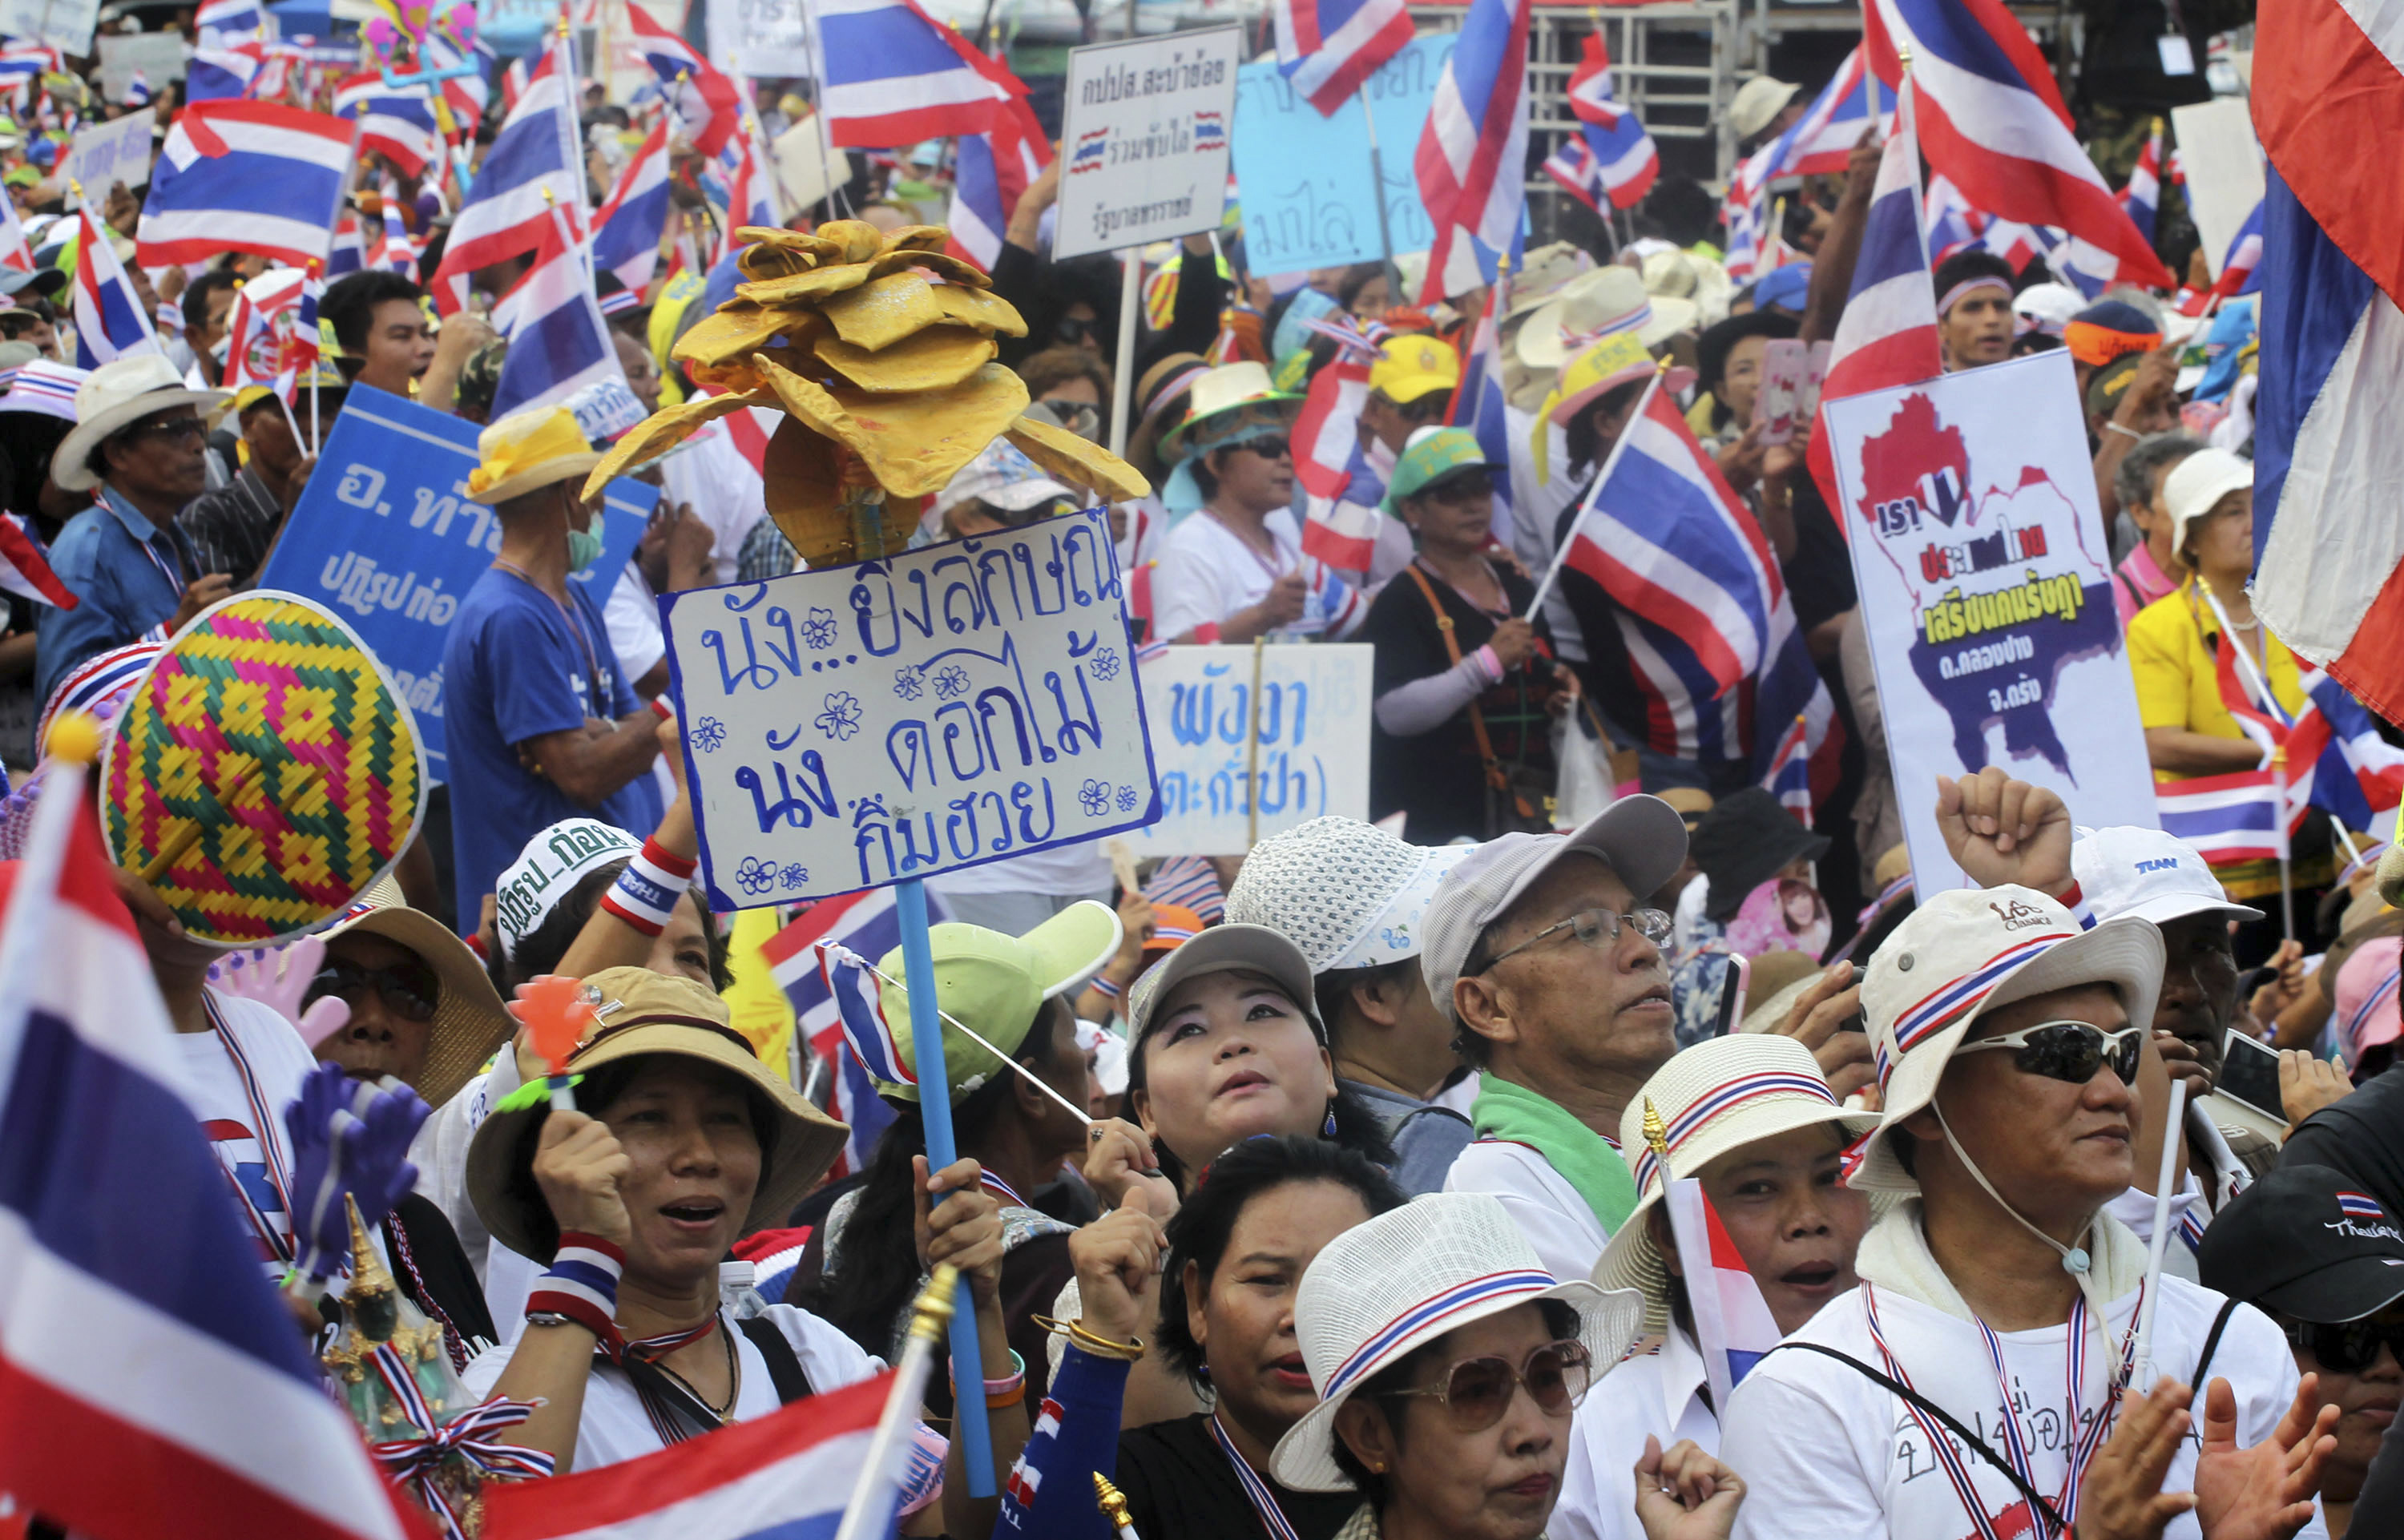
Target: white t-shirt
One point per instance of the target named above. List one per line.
(258, 1161)
(1659, 1393)
(1206, 574)
(616, 1427)
(1568, 1238)
(633, 617)
(1826, 1452)
(711, 474)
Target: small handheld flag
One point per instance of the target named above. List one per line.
(1733, 1326)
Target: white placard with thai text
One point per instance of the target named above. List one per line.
(1144, 135)
(101, 155)
(1314, 742)
(853, 726)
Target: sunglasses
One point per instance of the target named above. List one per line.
(179, 429)
(1071, 331)
(1596, 928)
(1478, 1390)
(1082, 418)
(2348, 1347)
(410, 990)
(1269, 448)
(2072, 1051)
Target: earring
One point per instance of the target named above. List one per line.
(1327, 1129)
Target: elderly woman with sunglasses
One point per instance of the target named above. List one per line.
(1448, 1364)
(1233, 569)
(1464, 687)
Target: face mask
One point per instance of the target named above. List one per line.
(583, 548)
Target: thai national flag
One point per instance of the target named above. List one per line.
(15, 250)
(751, 196)
(537, 163)
(784, 1477)
(2336, 757)
(137, 90)
(467, 95)
(2359, 1206)
(859, 997)
(396, 122)
(2241, 269)
(558, 341)
(1697, 597)
(216, 75)
(1340, 511)
(1623, 159)
(1821, 142)
(1327, 47)
(894, 75)
(2225, 818)
(1733, 1326)
(1480, 406)
(1475, 146)
(222, 22)
(1887, 335)
(109, 321)
(25, 565)
(1790, 770)
(394, 250)
(2143, 194)
(246, 177)
(107, 1325)
(349, 252)
(980, 211)
(20, 68)
(1991, 120)
(707, 103)
(626, 232)
(863, 923)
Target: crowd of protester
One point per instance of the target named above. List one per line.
(1331, 1189)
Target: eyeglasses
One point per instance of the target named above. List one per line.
(410, 990)
(1596, 928)
(2068, 1050)
(1082, 418)
(1478, 1390)
(2348, 1347)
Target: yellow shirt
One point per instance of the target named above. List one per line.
(2177, 684)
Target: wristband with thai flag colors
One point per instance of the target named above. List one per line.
(2075, 902)
(583, 1283)
(661, 709)
(646, 891)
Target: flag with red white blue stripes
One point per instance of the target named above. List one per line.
(707, 106)
(626, 232)
(1611, 159)
(1475, 146)
(246, 177)
(894, 74)
(1327, 47)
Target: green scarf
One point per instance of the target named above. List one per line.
(1585, 1158)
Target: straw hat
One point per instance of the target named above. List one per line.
(1545, 271)
(1684, 276)
(1961, 954)
(997, 985)
(527, 450)
(1720, 1095)
(643, 1013)
(469, 1024)
(1229, 388)
(1609, 299)
(1347, 893)
(1380, 1291)
(115, 396)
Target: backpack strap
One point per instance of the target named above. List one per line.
(785, 1369)
(2037, 1500)
(2211, 1344)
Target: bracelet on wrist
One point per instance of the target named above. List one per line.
(1105, 988)
(1094, 1343)
(582, 1286)
(646, 892)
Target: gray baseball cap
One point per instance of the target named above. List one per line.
(1642, 839)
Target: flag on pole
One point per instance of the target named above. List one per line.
(394, 250)
(1990, 120)
(626, 232)
(1475, 146)
(110, 320)
(990, 173)
(2241, 267)
(558, 341)
(246, 177)
(1341, 494)
(2143, 194)
(1619, 155)
(858, 997)
(25, 565)
(2225, 818)
(1733, 1326)
(537, 163)
(1327, 47)
(894, 75)
(106, 1329)
(1480, 405)
(219, 74)
(1887, 335)
(707, 106)
(259, 325)
(220, 22)
(395, 122)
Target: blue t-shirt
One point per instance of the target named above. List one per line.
(513, 671)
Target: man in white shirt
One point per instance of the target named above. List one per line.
(1537, 950)
(2000, 1294)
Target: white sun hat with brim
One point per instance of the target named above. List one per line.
(1379, 1291)
(113, 397)
(1609, 299)
(1720, 1095)
(1349, 894)
(1642, 839)
(1962, 953)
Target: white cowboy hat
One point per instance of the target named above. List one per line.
(1608, 300)
(1720, 1095)
(116, 395)
(1383, 1289)
(1962, 953)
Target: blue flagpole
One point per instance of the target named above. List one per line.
(935, 1107)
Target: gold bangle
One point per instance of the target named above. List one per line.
(1089, 1342)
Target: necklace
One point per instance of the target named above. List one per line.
(734, 1380)
(583, 642)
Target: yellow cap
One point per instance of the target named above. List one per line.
(529, 450)
(1412, 366)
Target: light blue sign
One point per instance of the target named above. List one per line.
(852, 726)
(387, 536)
(1304, 179)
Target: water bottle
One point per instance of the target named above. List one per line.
(736, 1293)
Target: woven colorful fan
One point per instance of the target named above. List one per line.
(265, 774)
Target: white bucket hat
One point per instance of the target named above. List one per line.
(1720, 1095)
(2148, 874)
(1962, 953)
(1380, 1290)
(116, 396)
(1594, 304)
(1349, 894)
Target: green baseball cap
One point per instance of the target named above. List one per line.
(1431, 454)
(995, 985)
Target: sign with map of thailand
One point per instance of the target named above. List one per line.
(1986, 587)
